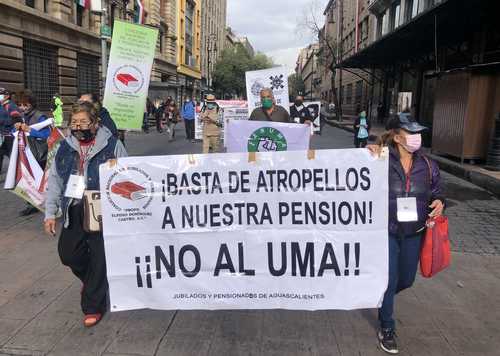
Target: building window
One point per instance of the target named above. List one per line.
(414, 11)
(348, 94)
(40, 72)
(87, 73)
(46, 6)
(79, 15)
(359, 92)
(396, 15)
(385, 23)
(189, 38)
(30, 3)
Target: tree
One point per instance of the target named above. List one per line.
(328, 55)
(296, 85)
(229, 73)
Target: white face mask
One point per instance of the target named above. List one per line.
(2, 97)
(413, 143)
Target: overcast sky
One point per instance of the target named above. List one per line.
(271, 26)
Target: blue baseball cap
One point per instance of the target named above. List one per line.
(406, 122)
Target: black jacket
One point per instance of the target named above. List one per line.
(108, 122)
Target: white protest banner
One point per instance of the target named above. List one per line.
(274, 78)
(232, 110)
(129, 70)
(24, 176)
(315, 110)
(265, 136)
(222, 231)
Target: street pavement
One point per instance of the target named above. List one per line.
(455, 313)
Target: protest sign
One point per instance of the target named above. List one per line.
(274, 78)
(25, 177)
(232, 110)
(129, 70)
(264, 136)
(315, 110)
(296, 230)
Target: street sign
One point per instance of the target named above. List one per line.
(105, 31)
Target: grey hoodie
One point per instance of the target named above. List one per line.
(56, 187)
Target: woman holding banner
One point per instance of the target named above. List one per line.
(414, 196)
(74, 172)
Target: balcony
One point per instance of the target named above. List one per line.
(378, 6)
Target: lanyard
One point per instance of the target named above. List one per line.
(84, 158)
(408, 178)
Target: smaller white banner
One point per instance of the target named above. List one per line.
(261, 136)
(274, 78)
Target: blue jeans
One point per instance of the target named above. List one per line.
(404, 255)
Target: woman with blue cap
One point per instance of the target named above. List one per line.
(414, 196)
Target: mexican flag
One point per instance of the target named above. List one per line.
(140, 12)
(83, 3)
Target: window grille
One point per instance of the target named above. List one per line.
(40, 72)
(87, 73)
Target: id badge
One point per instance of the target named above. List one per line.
(407, 209)
(75, 187)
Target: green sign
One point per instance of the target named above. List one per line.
(129, 71)
(267, 139)
(105, 31)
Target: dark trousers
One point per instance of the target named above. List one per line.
(6, 148)
(360, 142)
(159, 126)
(84, 253)
(404, 255)
(189, 124)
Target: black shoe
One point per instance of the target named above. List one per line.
(30, 210)
(387, 341)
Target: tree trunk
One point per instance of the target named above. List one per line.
(337, 102)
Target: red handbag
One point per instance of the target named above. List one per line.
(435, 254)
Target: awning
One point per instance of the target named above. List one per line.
(416, 40)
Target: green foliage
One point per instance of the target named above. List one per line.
(229, 73)
(296, 85)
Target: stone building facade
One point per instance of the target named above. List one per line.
(54, 46)
(213, 38)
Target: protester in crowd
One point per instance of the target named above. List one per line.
(172, 117)
(104, 115)
(269, 110)
(299, 112)
(188, 115)
(9, 115)
(380, 112)
(78, 159)
(37, 139)
(211, 127)
(57, 110)
(411, 175)
(159, 114)
(327, 113)
(362, 127)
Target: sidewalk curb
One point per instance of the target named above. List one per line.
(477, 178)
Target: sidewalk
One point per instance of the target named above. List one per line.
(489, 180)
(455, 313)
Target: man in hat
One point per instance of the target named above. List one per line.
(211, 127)
(9, 115)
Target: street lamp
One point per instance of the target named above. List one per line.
(211, 47)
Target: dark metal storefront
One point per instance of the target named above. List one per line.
(40, 71)
(432, 57)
